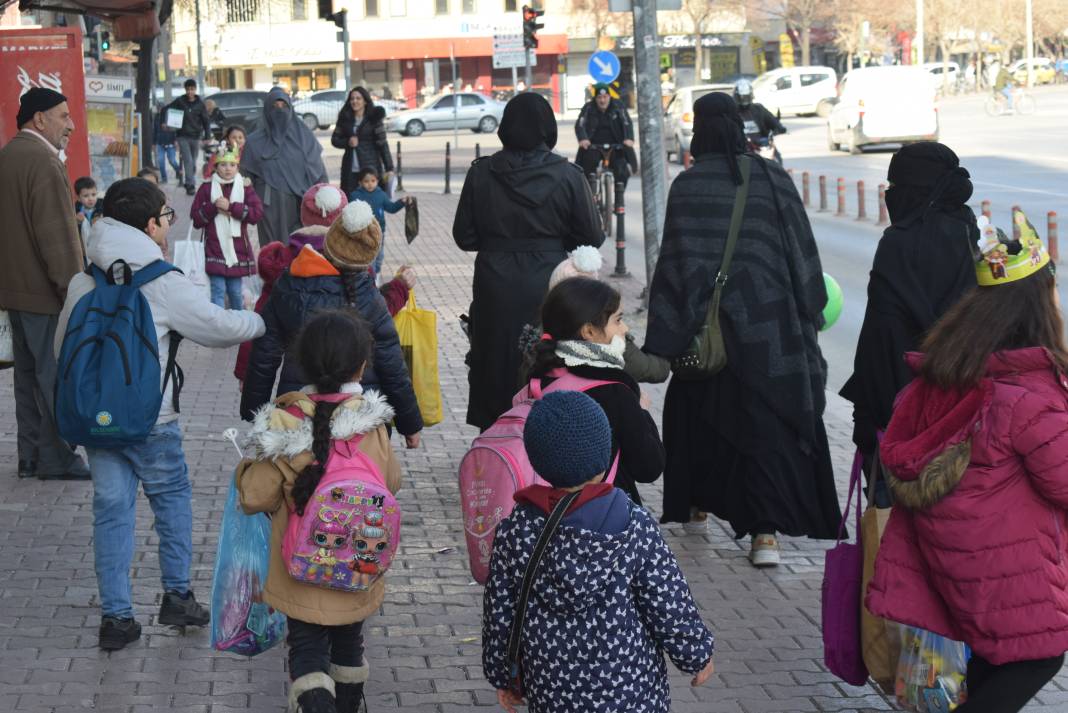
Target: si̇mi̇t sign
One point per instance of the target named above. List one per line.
(508, 52)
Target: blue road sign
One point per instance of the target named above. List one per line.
(604, 67)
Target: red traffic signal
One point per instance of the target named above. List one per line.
(531, 26)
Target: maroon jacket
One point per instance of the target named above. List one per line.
(975, 548)
(203, 214)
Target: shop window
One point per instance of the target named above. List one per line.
(242, 10)
(469, 7)
(221, 78)
(441, 7)
(511, 6)
(370, 8)
(300, 9)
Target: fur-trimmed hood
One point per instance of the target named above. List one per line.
(284, 428)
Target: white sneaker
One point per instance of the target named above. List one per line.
(764, 551)
(698, 524)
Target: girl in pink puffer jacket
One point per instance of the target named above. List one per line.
(976, 455)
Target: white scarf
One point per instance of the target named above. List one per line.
(576, 352)
(227, 227)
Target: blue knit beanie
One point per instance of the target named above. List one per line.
(568, 438)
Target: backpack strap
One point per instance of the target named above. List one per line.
(148, 273)
(515, 637)
(172, 372)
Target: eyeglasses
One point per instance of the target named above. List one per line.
(167, 213)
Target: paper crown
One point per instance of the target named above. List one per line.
(228, 156)
(1007, 260)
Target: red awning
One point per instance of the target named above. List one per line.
(102, 8)
(440, 47)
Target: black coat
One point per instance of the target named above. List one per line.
(522, 211)
(759, 122)
(293, 301)
(591, 118)
(373, 147)
(641, 459)
(195, 121)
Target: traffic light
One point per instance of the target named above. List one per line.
(339, 18)
(105, 42)
(531, 26)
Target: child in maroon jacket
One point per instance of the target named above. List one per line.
(224, 208)
(272, 262)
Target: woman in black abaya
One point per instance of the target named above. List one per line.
(748, 444)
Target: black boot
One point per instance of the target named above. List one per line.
(348, 683)
(115, 633)
(312, 693)
(179, 610)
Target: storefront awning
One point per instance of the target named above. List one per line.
(440, 47)
(100, 8)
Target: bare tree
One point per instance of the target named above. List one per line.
(596, 15)
(698, 12)
(800, 17)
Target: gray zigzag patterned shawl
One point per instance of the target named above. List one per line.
(773, 301)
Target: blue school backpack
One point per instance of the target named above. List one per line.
(108, 391)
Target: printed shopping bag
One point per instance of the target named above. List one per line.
(882, 644)
(240, 622)
(189, 258)
(931, 672)
(842, 571)
(418, 332)
(7, 345)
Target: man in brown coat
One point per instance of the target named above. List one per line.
(39, 254)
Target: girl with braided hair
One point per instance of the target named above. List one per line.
(290, 444)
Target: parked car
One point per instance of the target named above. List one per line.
(319, 111)
(1043, 68)
(883, 105)
(475, 112)
(943, 74)
(678, 116)
(240, 107)
(797, 90)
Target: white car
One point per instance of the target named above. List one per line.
(476, 112)
(678, 116)
(797, 90)
(942, 74)
(319, 111)
(883, 105)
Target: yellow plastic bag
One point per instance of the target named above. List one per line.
(418, 332)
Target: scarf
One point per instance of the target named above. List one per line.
(227, 227)
(576, 352)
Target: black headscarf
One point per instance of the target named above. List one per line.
(717, 128)
(528, 123)
(924, 176)
(283, 151)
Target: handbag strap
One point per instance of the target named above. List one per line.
(551, 525)
(732, 236)
(854, 487)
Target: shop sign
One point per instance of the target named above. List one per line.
(295, 43)
(678, 42)
(102, 87)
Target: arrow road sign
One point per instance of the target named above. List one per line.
(603, 67)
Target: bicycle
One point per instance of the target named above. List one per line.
(1022, 103)
(603, 185)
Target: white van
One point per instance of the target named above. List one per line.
(883, 105)
(796, 90)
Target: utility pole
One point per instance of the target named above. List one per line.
(918, 42)
(650, 131)
(1030, 46)
(200, 52)
(346, 66)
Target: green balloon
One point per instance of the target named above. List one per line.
(833, 310)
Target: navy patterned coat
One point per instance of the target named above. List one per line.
(608, 602)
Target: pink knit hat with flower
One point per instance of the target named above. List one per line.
(321, 205)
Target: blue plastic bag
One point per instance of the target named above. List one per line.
(240, 622)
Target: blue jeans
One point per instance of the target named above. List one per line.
(1007, 93)
(158, 465)
(223, 287)
(377, 264)
(165, 155)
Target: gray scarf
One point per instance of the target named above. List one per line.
(575, 352)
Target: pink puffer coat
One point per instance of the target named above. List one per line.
(975, 548)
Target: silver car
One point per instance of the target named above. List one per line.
(678, 116)
(472, 111)
(319, 111)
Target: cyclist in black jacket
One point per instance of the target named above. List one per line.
(605, 121)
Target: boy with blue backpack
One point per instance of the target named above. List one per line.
(117, 394)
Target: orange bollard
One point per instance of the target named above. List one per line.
(841, 198)
(1051, 236)
(884, 215)
(1015, 227)
(985, 208)
(823, 194)
(862, 210)
(806, 196)
(686, 159)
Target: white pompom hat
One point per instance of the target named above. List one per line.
(585, 261)
(353, 240)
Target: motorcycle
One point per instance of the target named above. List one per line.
(764, 146)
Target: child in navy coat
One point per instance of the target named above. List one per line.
(369, 192)
(608, 598)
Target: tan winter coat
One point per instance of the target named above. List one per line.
(280, 448)
(40, 248)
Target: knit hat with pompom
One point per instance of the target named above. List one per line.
(321, 205)
(352, 242)
(567, 438)
(584, 261)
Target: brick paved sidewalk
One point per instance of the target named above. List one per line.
(424, 644)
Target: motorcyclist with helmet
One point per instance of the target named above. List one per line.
(760, 124)
(605, 121)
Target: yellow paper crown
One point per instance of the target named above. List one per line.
(998, 266)
(228, 156)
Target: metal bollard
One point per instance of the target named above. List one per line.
(1051, 236)
(448, 167)
(841, 198)
(1015, 227)
(985, 209)
(621, 238)
(478, 151)
(806, 196)
(400, 173)
(884, 215)
(862, 210)
(823, 194)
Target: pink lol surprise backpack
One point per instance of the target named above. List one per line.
(350, 529)
(496, 466)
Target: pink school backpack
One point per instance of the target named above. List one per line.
(496, 466)
(350, 529)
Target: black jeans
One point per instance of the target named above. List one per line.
(1006, 688)
(313, 647)
(590, 158)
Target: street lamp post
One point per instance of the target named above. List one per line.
(1030, 46)
(918, 42)
(200, 51)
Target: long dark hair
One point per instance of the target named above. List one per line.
(331, 349)
(347, 114)
(990, 319)
(572, 304)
